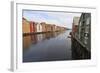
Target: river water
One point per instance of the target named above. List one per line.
(47, 47)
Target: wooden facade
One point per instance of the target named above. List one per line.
(75, 24)
(31, 27)
(81, 39)
(25, 26)
(44, 26)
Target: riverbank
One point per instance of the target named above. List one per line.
(31, 33)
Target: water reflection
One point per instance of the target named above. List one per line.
(26, 42)
(36, 38)
(49, 46)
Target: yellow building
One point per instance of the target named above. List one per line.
(25, 26)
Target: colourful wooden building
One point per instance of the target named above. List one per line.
(25, 26)
(32, 27)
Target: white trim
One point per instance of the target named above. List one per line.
(17, 37)
(13, 37)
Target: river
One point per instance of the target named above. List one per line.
(47, 47)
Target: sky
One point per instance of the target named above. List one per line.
(63, 19)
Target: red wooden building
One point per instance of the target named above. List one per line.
(32, 27)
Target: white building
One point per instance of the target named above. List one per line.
(38, 27)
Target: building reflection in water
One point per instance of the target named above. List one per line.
(26, 42)
(36, 38)
(51, 46)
